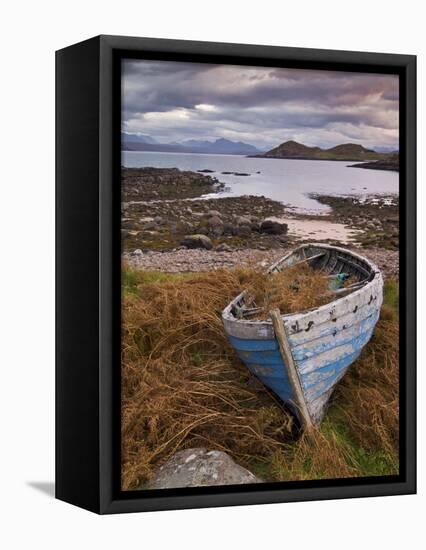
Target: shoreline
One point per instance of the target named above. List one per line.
(167, 226)
(199, 260)
(307, 158)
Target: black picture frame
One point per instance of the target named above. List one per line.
(88, 274)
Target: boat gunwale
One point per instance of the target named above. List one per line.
(227, 314)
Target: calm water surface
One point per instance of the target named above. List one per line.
(285, 180)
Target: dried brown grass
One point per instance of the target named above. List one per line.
(315, 455)
(294, 289)
(182, 386)
(369, 398)
(181, 383)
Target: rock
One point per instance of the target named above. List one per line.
(244, 230)
(128, 225)
(223, 247)
(215, 225)
(228, 229)
(200, 468)
(185, 227)
(214, 220)
(159, 220)
(188, 210)
(273, 227)
(206, 171)
(150, 225)
(197, 241)
(212, 213)
(137, 252)
(242, 220)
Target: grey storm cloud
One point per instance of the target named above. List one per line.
(172, 101)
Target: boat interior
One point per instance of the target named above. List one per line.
(336, 264)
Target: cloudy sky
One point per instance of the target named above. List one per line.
(263, 106)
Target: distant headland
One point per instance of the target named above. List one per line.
(346, 152)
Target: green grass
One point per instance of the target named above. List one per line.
(366, 462)
(131, 278)
(129, 281)
(391, 294)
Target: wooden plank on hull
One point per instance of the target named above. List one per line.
(290, 366)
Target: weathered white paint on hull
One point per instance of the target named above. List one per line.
(307, 326)
(326, 340)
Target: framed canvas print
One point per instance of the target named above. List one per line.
(235, 274)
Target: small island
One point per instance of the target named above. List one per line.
(346, 152)
(389, 163)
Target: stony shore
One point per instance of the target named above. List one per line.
(376, 218)
(152, 222)
(186, 261)
(167, 227)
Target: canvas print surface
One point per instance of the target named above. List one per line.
(260, 267)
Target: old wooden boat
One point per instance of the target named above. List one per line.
(302, 356)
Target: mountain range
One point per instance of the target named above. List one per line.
(221, 146)
(346, 151)
(288, 150)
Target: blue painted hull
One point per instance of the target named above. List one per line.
(323, 342)
(263, 359)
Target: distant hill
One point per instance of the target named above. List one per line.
(386, 149)
(154, 147)
(346, 151)
(136, 138)
(220, 146)
(292, 149)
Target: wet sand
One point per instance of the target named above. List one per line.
(319, 230)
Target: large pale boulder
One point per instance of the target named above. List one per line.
(197, 241)
(243, 220)
(200, 468)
